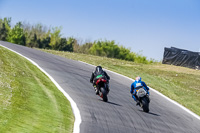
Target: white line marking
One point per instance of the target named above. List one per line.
(73, 104)
(174, 102)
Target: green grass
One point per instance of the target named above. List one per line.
(29, 101)
(178, 83)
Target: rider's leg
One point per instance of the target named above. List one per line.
(95, 88)
(135, 98)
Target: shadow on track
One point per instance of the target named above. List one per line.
(111, 103)
(114, 103)
(151, 113)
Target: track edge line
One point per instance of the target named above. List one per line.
(75, 109)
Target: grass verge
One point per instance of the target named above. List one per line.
(178, 83)
(29, 101)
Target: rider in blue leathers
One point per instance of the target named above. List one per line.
(138, 83)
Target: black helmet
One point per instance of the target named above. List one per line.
(99, 69)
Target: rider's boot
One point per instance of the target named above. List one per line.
(96, 90)
(108, 90)
(137, 103)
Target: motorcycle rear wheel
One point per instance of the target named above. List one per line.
(145, 104)
(104, 93)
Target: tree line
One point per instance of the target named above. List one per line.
(41, 36)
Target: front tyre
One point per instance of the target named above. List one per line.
(145, 104)
(104, 94)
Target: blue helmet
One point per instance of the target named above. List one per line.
(138, 78)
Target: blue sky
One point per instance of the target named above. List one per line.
(145, 26)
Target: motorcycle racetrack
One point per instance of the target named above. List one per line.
(120, 114)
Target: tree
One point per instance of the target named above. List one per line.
(40, 31)
(72, 42)
(85, 48)
(4, 28)
(41, 36)
(34, 41)
(125, 54)
(17, 35)
(55, 36)
(97, 49)
(45, 43)
(105, 48)
(62, 45)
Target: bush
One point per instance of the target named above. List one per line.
(41, 36)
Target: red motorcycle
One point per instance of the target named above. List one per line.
(101, 85)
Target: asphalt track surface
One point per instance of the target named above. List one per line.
(119, 114)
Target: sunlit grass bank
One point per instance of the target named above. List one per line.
(178, 83)
(29, 101)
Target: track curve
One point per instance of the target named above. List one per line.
(119, 115)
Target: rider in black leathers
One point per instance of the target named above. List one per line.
(94, 77)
